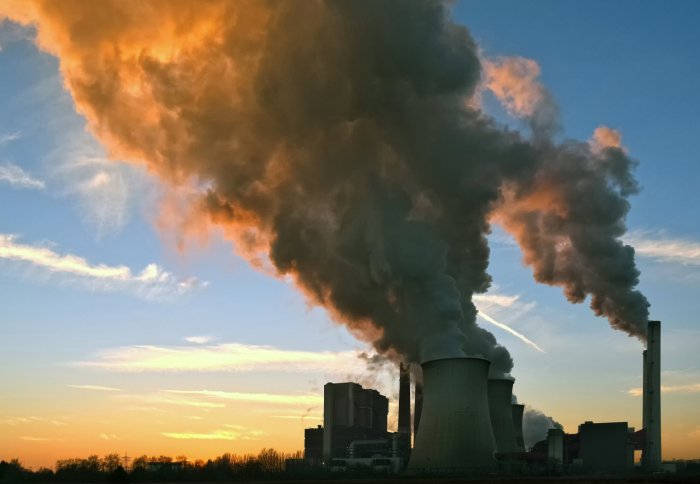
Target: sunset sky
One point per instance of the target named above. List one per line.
(115, 336)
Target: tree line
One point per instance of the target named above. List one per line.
(113, 468)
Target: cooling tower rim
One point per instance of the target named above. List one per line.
(517, 405)
(458, 358)
(502, 378)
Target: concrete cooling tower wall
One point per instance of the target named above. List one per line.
(455, 433)
(501, 412)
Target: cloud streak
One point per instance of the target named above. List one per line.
(685, 388)
(151, 283)
(233, 357)
(660, 247)
(98, 388)
(15, 176)
(221, 434)
(8, 137)
(510, 330)
(276, 398)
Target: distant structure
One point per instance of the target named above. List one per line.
(606, 447)
(404, 399)
(500, 395)
(351, 413)
(313, 445)
(417, 407)
(518, 411)
(651, 398)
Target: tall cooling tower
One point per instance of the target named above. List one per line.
(501, 411)
(651, 387)
(455, 433)
(517, 411)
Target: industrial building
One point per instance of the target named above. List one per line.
(351, 413)
(466, 423)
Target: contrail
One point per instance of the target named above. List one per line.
(510, 330)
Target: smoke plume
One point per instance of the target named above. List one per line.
(332, 139)
(535, 426)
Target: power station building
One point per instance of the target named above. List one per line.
(351, 413)
(466, 423)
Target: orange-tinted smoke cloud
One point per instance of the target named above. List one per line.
(568, 217)
(330, 138)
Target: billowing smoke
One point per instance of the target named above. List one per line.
(535, 426)
(333, 138)
(568, 214)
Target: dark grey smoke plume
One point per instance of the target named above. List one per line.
(535, 426)
(335, 137)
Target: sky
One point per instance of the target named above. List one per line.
(113, 339)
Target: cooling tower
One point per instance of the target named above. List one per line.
(517, 412)
(500, 408)
(455, 433)
(651, 401)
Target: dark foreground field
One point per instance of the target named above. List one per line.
(530, 480)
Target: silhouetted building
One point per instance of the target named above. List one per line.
(350, 413)
(313, 444)
(606, 447)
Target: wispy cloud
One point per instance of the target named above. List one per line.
(661, 247)
(685, 388)
(198, 340)
(108, 191)
(41, 439)
(503, 300)
(105, 436)
(164, 398)
(17, 177)
(276, 398)
(20, 420)
(297, 417)
(235, 357)
(151, 283)
(14, 421)
(98, 388)
(241, 433)
(8, 137)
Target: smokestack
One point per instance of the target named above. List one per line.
(652, 398)
(500, 396)
(404, 399)
(417, 407)
(517, 412)
(455, 434)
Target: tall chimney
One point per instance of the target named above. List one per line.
(501, 411)
(417, 407)
(518, 411)
(652, 398)
(455, 433)
(404, 399)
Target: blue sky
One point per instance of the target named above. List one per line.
(632, 66)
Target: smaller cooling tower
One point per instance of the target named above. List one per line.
(517, 412)
(455, 428)
(501, 411)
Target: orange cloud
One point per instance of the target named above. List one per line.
(604, 137)
(514, 81)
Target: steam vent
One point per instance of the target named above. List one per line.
(455, 433)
